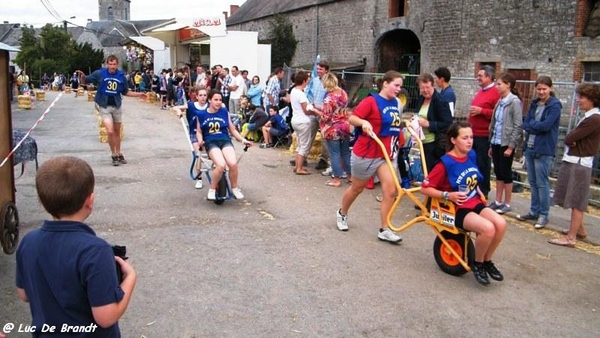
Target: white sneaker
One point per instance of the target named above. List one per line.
(237, 193)
(198, 184)
(327, 172)
(386, 234)
(342, 221)
(212, 194)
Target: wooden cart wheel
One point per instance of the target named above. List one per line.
(9, 228)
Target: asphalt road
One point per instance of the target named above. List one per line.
(274, 264)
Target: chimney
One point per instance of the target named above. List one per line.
(226, 16)
(233, 9)
(5, 22)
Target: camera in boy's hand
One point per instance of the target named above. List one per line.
(120, 251)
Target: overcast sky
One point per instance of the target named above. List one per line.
(33, 12)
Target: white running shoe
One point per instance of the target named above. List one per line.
(327, 172)
(342, 221)
(199, 184)
(237, 193)
(386, 234)
(212, 194)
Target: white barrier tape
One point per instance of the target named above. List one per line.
(31, 129)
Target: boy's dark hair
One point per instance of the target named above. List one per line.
(443, 73)
(63, 184)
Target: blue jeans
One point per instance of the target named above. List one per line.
(339, 152)
(538, 169)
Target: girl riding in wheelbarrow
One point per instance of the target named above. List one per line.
(214, 130)
(455, 178)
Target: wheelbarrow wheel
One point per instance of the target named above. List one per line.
(462, 244)
(221, 190)
(9, 228)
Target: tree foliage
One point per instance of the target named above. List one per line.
(54, 50)
(282, 39)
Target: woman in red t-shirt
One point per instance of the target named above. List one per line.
(381, 114)
(455, 178)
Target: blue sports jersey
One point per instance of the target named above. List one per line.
(214, 126)
(391, 116)
(112, 84)
(463, 173)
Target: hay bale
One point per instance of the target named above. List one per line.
(80, 91)
(151, 97)
(67, 90)
(40, 95)
(91, 95)
(103, 135)
(24, 101)
(315, 150)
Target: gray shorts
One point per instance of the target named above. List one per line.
(363, 168)
(113, 112)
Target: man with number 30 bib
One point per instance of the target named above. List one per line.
(111, 84)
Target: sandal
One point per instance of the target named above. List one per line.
(302, 173)
(579, 236)
(331, 184)
(563, 241)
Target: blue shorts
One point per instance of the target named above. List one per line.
(220, 144)
(277, 132)
(252, 127)
(194, 138)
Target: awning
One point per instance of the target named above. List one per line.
(149, 41)
(188, 29)
(4, 46)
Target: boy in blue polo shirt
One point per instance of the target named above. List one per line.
(64, 271)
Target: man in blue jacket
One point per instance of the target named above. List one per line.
(111, 84)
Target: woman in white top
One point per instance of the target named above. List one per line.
(301, 121)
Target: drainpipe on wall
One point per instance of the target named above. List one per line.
(317, 33)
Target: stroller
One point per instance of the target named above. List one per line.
(410, 166)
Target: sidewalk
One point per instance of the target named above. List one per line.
(559, 217)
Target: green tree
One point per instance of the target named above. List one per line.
(86, 58)
(54, 50)
(282, 40)
(29, 48)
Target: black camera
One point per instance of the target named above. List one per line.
(120, 251)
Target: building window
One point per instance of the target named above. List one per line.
(396, 8)
(591, 71)
(111, 15)
(495, 65)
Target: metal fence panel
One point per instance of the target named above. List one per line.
(358, 85)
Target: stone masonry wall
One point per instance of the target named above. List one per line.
(520, 34)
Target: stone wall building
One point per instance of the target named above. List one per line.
(528, 37)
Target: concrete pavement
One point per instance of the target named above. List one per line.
(274, 264)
